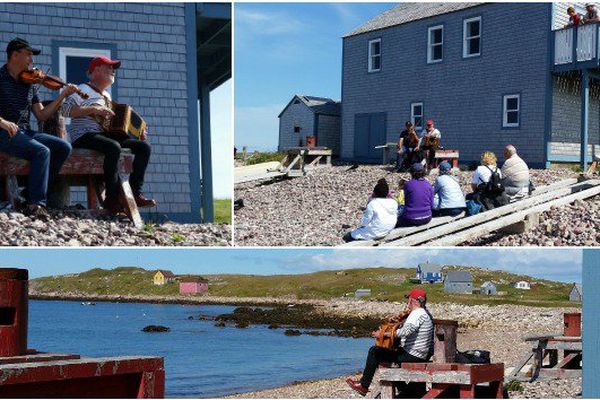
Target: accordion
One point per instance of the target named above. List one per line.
(125, 122)
(431, 141)
(391, 341)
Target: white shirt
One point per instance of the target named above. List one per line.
(483, 174)
(515, 169)
(79, 126)
(417, 333)
(379, 219)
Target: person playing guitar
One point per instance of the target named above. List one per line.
(414, 340)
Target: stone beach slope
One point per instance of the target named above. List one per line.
(318, 209)
(67, 228)
(499, 329)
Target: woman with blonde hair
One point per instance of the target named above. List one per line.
(486, 183)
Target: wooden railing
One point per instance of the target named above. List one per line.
(576, 44)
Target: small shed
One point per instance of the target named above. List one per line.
(193, 285)
(307, 116)
(362, 293)
(429, 273)
(488, 288)
(576, 293)
(163, 276)
(458, 281)
(523, 285)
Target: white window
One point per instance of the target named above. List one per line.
(472, 37)
(374, 55)
(511, 110)
(435, 44)
(73, 63)
(416, 115)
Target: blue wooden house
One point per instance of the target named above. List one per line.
(429, 273)
(310, 116)
(489, 74)
(173, 55)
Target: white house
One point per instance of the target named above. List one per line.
(522, 285)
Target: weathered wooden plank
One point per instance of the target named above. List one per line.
(406, 375)
(526, 204)
(267, 175)
(491, 226)
(128, 202)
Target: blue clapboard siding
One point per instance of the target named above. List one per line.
(464, 96)
(591, 323)
(150, 40)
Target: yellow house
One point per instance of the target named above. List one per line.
(162, 277)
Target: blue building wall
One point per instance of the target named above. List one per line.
(591, 323)
(463, 96)
(150, 40)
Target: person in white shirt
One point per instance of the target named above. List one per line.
(489, 198)
(416, 342)
(431, 132)
(86, 132)
(515, 173)
(380, 216)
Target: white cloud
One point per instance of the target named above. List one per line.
(266, 23)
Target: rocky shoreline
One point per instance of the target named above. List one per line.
(80, 228)
(318, 209)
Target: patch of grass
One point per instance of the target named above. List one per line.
(514, 386)
(385, 283)
(177, 237)
(261, 157)
(222, 211)
(149, 227)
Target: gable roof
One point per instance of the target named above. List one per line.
(318, 105)
(433, 268)
(166, 273)
(409, 12)
(459, 276)
(578, 287)
(487, 283)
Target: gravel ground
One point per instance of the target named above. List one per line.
(79, 229)
(318, 209)
(499, 329)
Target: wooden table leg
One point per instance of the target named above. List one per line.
(467, 391)
(497, 389)
(437, 390)
(387, 390)
(128, 202)
(92, 195)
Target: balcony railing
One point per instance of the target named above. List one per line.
(576, 47)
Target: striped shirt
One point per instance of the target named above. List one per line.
(417, 334)
(16, 99)
(80, 126)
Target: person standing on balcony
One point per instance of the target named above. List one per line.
(574, 17)
(591, 17)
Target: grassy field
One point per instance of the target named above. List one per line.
(261, 157)
(222, 209)
(385, 284)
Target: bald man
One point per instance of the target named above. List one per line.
(515, 174)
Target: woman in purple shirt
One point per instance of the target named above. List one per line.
(418, 198)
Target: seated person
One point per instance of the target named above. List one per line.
(406, 145)
(418, 199)
(515, 173)
(487, 183)
(448, 199)
(416, 342)
(574, 17)
(390, 194)
(400, 196)
(379, 218)
(427, 150)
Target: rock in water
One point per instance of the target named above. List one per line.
(156, 328)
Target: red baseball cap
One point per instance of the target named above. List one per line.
(102, 60)
(416, 294)
(429, 122)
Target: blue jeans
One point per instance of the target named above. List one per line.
(46, 155)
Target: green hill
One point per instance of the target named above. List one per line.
(385, 284)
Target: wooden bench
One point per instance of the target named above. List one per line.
(82, 168)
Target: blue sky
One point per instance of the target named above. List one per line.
(555, 264)
(222, 142)
(282, 49)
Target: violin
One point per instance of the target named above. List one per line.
(390, 327)
(413, 139)
(36, 76)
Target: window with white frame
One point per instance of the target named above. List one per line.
(435, 44)
(374, 55)
(511, 111)
(416, 115)
(73, 63)
(472, 37)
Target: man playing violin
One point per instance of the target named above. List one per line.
(45, 153)
(416, 337)
(85, 131)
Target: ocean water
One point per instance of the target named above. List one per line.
(201, 360)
